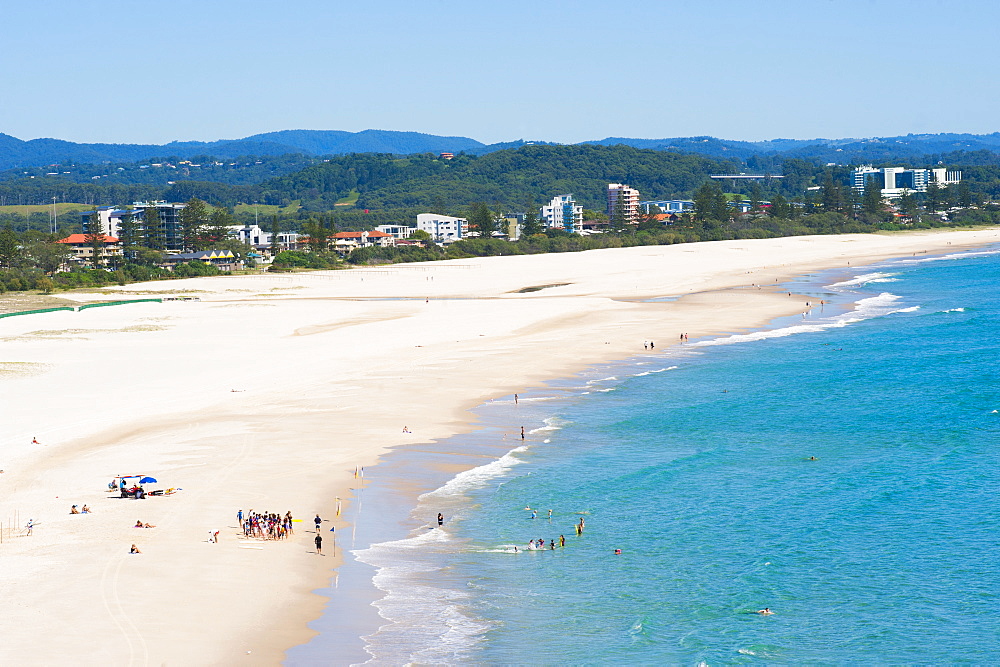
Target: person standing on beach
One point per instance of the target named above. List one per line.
(562, 540)
(319, 543)
(515, 399)
(522, 433)
(239, 516)
(440, 519)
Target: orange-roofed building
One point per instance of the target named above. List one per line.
(83, 250)
(345, 242)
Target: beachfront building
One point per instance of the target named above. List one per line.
(442, 228)
(562, 213)
(169, 225)
(224, 260)
(345, 242)
(111, 219)
(895, 180)
(512, 224)
(100, 221)
(398, 232)
(623, 200)
(668, 205)
(83, 249)
(254, 236)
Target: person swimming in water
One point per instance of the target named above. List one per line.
(766, 611)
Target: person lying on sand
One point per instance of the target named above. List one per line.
(140, 524)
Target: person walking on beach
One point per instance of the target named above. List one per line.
(515, 399)
(317, 521)
(29, 527)
(319, 544)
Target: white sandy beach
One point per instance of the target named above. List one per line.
(269, 392)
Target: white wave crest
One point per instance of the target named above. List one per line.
(477, 477)
(857, 281)
(426, 624)
(658, 370)
(864, 309)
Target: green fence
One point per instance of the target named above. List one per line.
(83, 307)
(118, 303)
(40, 310)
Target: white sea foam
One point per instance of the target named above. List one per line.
(954, 310)
(426, 623)
(947, 258)
(863, 279)
(607, 379)
(658, 370)
(477, 477)
(864, 309)
(551, 424)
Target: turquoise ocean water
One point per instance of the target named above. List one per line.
(695, 462)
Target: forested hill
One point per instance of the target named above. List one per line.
(375, 181)
(514, 177)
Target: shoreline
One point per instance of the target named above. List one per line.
(479, 449)
(280, 421)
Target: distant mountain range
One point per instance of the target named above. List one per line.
(41, 152)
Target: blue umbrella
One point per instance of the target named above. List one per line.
(148, 480)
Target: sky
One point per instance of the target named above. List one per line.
(154, 71)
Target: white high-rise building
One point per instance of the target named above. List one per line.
(562, 213)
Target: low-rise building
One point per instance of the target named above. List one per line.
(224, 260)
(83, 249)
(397, 231)
(442, 228)
(254, 236)
(345, 242)
(668, 205)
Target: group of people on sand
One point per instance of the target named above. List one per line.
(265, 525)
(84, 510)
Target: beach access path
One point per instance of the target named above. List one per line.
(270, 391)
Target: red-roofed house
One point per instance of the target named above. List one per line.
(345, 242)
(83, 251)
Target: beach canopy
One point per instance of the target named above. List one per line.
(148, 480)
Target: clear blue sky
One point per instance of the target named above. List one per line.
(152, 71)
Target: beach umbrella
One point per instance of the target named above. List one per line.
(148, 480)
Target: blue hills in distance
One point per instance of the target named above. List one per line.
(15, 152)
